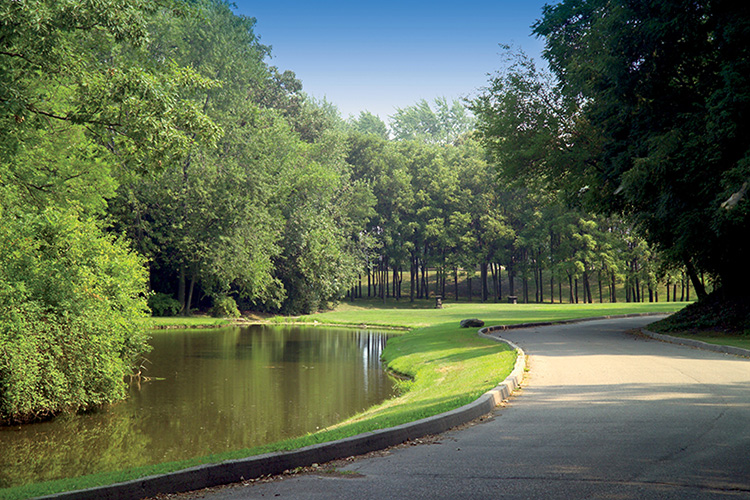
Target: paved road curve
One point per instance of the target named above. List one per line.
(602, 414)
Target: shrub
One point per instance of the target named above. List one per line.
(72, 306)
(225, 307)
(163, 304)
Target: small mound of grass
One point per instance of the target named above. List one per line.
(716, 313)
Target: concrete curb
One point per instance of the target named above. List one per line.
(699, 344)
(233, 471)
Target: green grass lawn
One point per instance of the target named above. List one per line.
(422, 313)
(448, 367)
(742, 341)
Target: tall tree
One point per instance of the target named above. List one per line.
(443, 122)
(665, 86)
(368, 123)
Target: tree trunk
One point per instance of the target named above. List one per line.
(483, 272)
(570, 288)
(190, 293)
(682, 287)
(181, 291)
(586, 286)
(427, 281)
(493, 271)
(700, 289)
(551, 287)
(525, 284)
(499, 282)
(455, 281)
(541, 278)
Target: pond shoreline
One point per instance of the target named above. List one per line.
(231, 323)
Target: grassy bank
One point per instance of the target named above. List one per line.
(187, 322)
(449, 366)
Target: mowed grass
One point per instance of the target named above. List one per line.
(423, 313)
(720, 338)
(447, 367)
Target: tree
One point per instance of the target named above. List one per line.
(367, 123)
(72, 304)
(442, 125)
(84, 106)
(664, 86)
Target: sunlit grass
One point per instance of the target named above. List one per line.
(423, 313)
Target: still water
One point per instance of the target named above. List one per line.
(210, 391)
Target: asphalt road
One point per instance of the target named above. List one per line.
(602, 414)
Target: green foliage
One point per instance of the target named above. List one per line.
(663, 90)
(71, 308)
(163, 305)
(442, 125)
(225, 307)
(368, 123)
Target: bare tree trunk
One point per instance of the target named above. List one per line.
(570, 288)
(586, 286)
(541, 277)
(190, 293)
(483, 273)
(551, 287)
(181, 291)
(493, 271)
(455, 281)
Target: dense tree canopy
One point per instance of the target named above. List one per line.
(664, 87)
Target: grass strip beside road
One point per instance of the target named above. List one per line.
(710, 337)
(448, 367)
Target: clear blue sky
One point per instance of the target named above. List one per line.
(379, 56)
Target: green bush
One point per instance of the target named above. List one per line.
(72, 309)
(163, 304)
(225, 307)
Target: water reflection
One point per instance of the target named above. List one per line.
(211, 391)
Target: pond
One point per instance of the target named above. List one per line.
(211, 391)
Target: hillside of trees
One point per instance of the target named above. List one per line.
(150, 155)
